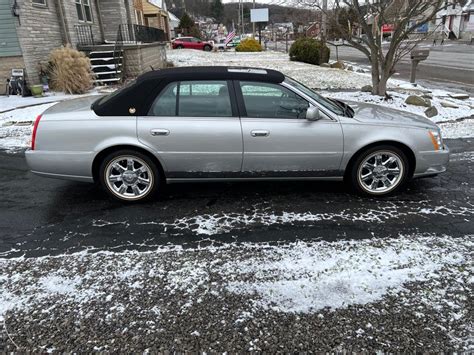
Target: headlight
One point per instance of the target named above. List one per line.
(436, 139)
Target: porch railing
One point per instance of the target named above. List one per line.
(132, 33)
(85, 36)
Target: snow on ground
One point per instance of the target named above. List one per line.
(16, 126)
(422, 274)
(312, 75)
(465, 107)
(225, 222)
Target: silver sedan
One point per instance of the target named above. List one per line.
(233, 124)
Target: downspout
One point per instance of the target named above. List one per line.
(62, 19)
(101, 24)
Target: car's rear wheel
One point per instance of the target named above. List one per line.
(380, 171)
(207, 48)
(129, 176)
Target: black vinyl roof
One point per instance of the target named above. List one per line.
(214, 73)
(140, 94)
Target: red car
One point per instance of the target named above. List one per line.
(192, 43)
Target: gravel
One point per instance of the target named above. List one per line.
(174, 299)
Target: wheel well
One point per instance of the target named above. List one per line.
(99, 157)
(405, 149)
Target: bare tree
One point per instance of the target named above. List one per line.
(350, 18)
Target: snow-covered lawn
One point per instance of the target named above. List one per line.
(426, 276)
(311, 75)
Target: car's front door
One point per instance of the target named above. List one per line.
(194, 128)
(279, 140)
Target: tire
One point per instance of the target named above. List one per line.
(129, 176)
(207, 48)
(379, 171)
(179, 47)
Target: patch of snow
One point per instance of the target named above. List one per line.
(212, 224)
(308, 277)
(14, 101)
(16, 127)
(301, 277)
(398, 102)
(461, 129)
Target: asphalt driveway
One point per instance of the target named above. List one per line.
(46, 217)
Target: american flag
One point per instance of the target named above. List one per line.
(229, 37)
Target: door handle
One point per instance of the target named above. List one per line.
(260, 133)
(160, 132)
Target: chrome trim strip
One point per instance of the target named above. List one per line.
(63, 176)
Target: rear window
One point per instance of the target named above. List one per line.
(110, 96)
(193, 99)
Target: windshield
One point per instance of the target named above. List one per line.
(330, 105)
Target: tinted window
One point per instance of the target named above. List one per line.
(193, 99)
(165, 103)
(265, 100)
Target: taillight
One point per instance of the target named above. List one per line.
(35, 128)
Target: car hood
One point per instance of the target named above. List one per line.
(79, 104)
(377, 114)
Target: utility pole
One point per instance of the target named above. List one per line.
(324, 26)
(242, 16)
(253, 23)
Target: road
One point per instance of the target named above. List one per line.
(450, 66)
(44, 216)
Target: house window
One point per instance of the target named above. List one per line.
(84, 12)
(39, 2)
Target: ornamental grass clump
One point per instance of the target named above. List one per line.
(70, 71)
(249, 45)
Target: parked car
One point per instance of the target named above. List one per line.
(219, 44)
(192, 43)
(230, 124)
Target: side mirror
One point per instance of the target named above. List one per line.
(312, 113)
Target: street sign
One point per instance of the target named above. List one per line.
(258, 15)
(388, 28)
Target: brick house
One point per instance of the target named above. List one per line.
(30, 29)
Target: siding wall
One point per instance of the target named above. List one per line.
(9, 44)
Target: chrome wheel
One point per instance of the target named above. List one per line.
(129, 177)
(380, 172)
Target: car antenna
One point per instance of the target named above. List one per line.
(152, 69)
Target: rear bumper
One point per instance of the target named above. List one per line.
(431, 163)
(75, 166)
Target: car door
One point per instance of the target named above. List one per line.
(196, 43)
(194, 128)
(279, 140)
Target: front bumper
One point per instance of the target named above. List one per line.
(432, 162)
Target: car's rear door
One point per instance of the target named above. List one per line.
(194, 128)
(279, 140)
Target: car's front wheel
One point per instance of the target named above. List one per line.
(207, 48)
(129, 176)
(380, 171)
